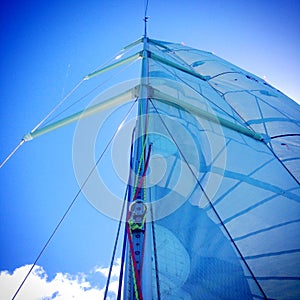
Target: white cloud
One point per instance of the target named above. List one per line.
(115, 270)
(63, 286)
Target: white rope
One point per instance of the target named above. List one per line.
(57, 106)
(12, 153)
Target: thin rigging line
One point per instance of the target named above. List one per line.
(90, 92)
(61, 102)
(209, 201)
(43, 120)
(115, 245)
(284, 135)
(65, 80)
(69, 94)
(58, 105)
(74, 199)
(125, 235)
(118, 234)
(122, 265)
(12, 153)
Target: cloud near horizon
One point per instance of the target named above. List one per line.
(63, 286)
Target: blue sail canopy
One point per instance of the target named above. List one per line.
(225, 202)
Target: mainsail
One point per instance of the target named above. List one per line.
(222, 189)
(230, 145)
(212, 207)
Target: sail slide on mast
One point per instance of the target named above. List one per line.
(213, 196)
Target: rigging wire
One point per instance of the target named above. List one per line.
(126, 196)
(65, 80)
(75, 198)
(43, 120)
(90, 92)
(115, 56)
(125, 236)
(115, 245)
(12, 153)
(122, 265)
(59, 104)
(209, 201)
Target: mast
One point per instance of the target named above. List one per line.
(136, 225)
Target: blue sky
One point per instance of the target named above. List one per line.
(47, 48)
